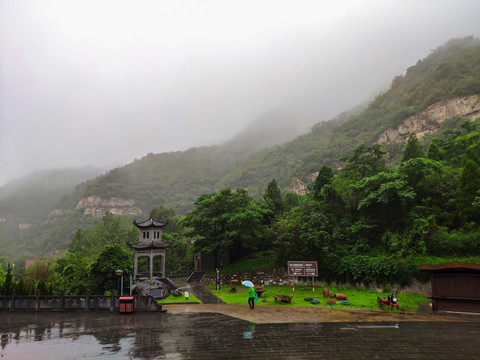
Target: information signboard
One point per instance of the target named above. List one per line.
(302, 268)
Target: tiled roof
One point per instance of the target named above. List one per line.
(147, 245)
(150, 222)
(450, 266)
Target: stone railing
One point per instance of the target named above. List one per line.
(64, 302)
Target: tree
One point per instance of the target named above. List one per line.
(168, 215)
(470, 184)
(364, 161)
(413, 148)
(71, 273)
(9, 283)
(179, 255)
(102, 271)
(434, 152)
(273, 199)
(226, 221)
(2, 277)
(324, 177)
(40, 270)
(384, 198)
(112, 229)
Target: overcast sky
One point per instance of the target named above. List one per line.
(104, 82)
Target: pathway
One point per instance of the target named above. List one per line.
(205, 296)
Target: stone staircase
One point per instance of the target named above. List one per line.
(196, 276)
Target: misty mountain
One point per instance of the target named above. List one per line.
(264, 150)
(272, 129)
(31, 198)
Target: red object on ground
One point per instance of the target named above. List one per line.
(293, 289)
(127, 304)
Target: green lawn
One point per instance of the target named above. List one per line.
(358, 298)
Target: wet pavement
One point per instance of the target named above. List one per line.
(267, 314)
(207, 335)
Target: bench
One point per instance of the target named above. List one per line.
(283, 298)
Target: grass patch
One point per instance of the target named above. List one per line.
(179, 299)
(358, 298)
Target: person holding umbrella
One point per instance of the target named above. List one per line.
(251, 293)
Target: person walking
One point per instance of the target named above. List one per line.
(251, 297)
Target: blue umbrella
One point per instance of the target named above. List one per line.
(248, 283)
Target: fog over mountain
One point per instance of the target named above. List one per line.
(104, 82)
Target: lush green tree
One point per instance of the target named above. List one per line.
(168, 215)
(324, 177)
(286, 232)
(112, 229)
(102, 271)
(365, 161)
(434, 152)
(384, 197)
(179, 255)
(413, 148)
(71, 273)
(42, 269)
(2, 277)
(9, 283)
(437, 194)
(227, 221)
(273, 200)
(469, 127)
(290, 200)
(416, 169)
(470, 184)
(44, 288)
(22, 288)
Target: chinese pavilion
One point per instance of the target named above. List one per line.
(150, 245)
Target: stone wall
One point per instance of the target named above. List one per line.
(279, 276)
(71, 303)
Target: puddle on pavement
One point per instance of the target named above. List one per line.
(104, 335)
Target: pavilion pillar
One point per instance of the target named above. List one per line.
(151, 265)
(135, 266)
(163, 265)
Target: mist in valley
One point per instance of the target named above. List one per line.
(101, 83)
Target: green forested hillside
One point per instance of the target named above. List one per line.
(176, 179)
(450, 71)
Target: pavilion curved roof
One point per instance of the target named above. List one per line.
(149, 223)
(149, 245)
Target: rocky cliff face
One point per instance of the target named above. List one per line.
(429, 120)
(300, 187)
(96, 206)
(57, 213)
